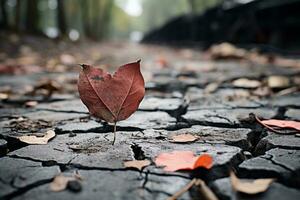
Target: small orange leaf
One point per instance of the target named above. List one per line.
(282, 123)
(183, 160)
(205, 161)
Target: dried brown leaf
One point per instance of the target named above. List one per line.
(250, 187)
(138, 164)
(278, 82)
(32, 139)
(60, 183)
(184, 138)
(246, 83)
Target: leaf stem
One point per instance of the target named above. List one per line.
(115, 130)
(183, 190)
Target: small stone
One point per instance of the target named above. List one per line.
(74, 186)
(247, 154)
(72, 134)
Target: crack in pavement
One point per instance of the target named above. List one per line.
(270, 158)
(22, 190)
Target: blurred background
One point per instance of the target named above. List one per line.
(274, 23)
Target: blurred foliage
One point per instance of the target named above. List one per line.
(94, 19)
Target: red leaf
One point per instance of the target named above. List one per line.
(282, 123)
(183, 160)
(112, 97)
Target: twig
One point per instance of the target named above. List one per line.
(268, 127)
(183, 190)
(205, 191)
(115, 130)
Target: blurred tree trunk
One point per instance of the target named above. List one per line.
(17, 25)
(96, 16)
(105, 18)
(4, 22)
(32, 16)
(86, 22)
(192, 6)
(61, 18)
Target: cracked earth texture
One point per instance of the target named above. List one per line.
(176, 102)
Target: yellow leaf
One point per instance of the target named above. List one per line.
(60, 182)
(32, 139)
(250, 187)
(138, 164)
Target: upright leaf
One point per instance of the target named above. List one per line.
(111, 97)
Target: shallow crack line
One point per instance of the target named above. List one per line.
(99, 130)
(82, 167)
(145, 179)
(60, 111)
(22, 190)
(228, 107)
(34, 160)
(69, 162)
(220, 117)
(212, 124)
(270, 158)
(168, 175)
(156, 191)
(5, 183)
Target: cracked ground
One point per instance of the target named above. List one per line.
(178, 100)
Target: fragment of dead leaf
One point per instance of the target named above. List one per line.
(278, 82)
(226, 51)
(250, 187)
(282, 123)
(31, 104)
(138, 164)
(183, 160)
(183, 138)
(60, 183)
(32, 139)
(246, 83)
(211, 88)
(3, 96)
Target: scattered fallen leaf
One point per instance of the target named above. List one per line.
(138, 164)
(250, 187)
(32, 139)
(183, 138)
(183, 160)
(226, 51)
(287, 62)
(67, 59)
(211, 88)
(31, 104)
(19, 69)
(278, 82)
(246, 83)
(162, 62)
(60, 183)
(262, 92)
(287, 91)
(48, 86)
(282, 123)
(3, 96)
(112, 97)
